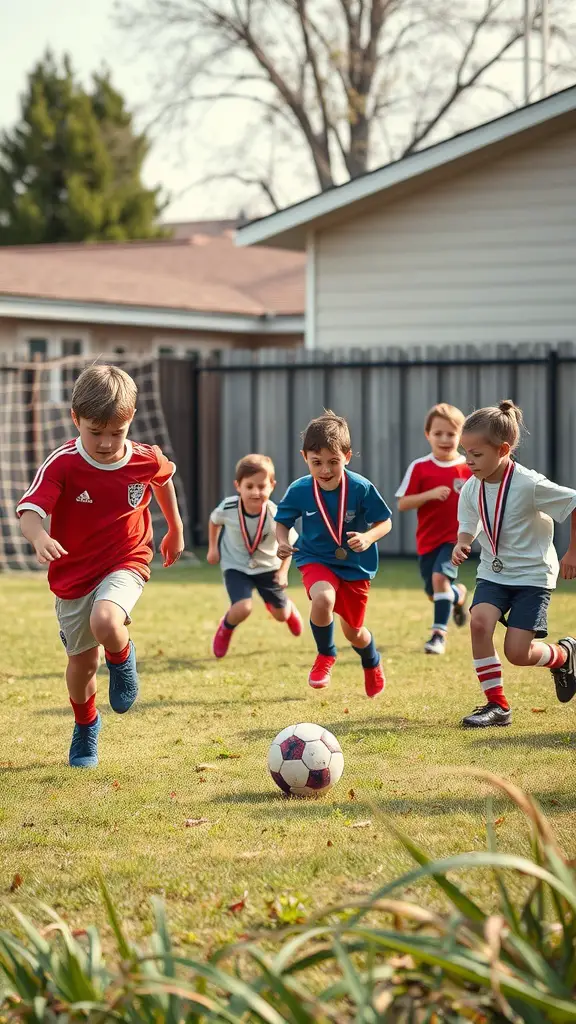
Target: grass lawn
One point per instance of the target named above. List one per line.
(59, 827)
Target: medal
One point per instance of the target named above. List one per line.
(337, 533)
(493, 532)
(251, 546)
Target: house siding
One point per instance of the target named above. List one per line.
(488, 256)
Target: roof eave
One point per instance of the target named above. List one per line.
(37, 308)
(289, 228)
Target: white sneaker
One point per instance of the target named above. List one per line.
(436, 644)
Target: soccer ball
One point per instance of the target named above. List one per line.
(305, 760)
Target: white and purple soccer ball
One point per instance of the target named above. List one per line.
(305, 760)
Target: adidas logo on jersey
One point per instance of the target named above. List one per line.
(85, 498)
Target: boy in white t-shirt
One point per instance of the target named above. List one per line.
(510, 509)
(242, 537)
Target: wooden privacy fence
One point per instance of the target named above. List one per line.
(260, 401)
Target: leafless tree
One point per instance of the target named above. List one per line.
(346, 83)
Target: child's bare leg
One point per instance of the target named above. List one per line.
(238, 612)
(483, 619)
(108, 625)
(323, 597)
(363, 643)
(280, 614)
(81, 675)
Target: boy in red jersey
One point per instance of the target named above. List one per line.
(432, 485)
(97, 490)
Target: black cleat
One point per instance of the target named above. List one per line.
(565, 676)
(460, 614)
(489, 714)
(436, 644)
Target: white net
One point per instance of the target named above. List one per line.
(35, 419)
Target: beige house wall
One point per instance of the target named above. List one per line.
(488, 256)
(98, 339)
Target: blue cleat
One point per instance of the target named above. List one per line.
(84, 746)
(123, 688)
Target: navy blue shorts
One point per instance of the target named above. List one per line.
(521, 607)
(438, 560)
(241, 584)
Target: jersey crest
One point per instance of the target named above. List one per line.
(135, 494)
(458, 483)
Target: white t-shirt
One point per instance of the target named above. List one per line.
(233, 552)
(526, 545)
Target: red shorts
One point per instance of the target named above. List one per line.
(351, 595)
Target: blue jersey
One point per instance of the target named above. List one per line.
(315, 544)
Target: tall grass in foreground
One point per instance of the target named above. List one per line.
(385, 959)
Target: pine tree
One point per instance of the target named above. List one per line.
(71, 169)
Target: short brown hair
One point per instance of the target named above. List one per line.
(500, 423)
(444, 412)
(327, 431)
(249, 465)
(103, 393)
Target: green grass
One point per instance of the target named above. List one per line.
(59, 828)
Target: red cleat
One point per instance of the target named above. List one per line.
(294, 621)
(374, 681)
(320, 672)
(221, 641)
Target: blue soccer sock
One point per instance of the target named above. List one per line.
(324, 637)
(457, 594)
(442, 610)
(369, 655)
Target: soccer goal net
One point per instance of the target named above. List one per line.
(35, 418)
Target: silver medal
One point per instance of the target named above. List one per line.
(497, 565)
(252, 564)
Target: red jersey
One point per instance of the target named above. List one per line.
(437, 520)
(100, 512)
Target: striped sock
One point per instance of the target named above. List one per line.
(489, 672)
(553, 656)
(442, 610)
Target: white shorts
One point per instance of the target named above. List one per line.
(123, 588)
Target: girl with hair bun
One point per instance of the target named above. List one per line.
(510, 510)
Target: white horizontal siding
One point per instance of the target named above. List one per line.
(488, 256)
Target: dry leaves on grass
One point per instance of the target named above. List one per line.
(538, 711)
(200, 768)
(499, 820)
(361, 824)
(194, 822)
(16, 882)
(239, 905)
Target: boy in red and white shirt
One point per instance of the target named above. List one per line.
(97, 491)
(432, 485)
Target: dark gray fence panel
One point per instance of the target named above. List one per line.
(565, 424)
(309, 398)
(272, 415)
(382, 446)
(532, 394)
(345, 396)
(238, 415)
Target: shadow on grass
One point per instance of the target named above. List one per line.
(168, 702)
(355, 728)
(536, 740)
(370, 809)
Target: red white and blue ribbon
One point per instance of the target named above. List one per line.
(251, 545)
(493, 532)
(336, 532)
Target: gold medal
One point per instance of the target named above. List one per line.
(337, 533)
(341, 554)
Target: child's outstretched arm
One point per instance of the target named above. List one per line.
(46, 547)
(462, 548)
(568, 563)
(214, 531)
(408, 501)
(172, 544)
(362, 541)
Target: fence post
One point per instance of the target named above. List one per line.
(552, 396)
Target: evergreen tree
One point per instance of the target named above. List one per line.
(71, 169)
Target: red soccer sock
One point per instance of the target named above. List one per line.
(553, 656)
(85, 714)
(489, 672)
(118, 657)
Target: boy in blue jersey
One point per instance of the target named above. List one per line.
(343, 517)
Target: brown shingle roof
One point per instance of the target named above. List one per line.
(202, 273)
